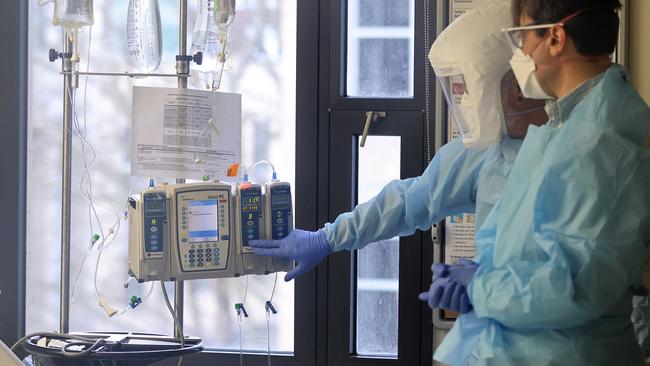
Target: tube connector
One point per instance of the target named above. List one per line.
(241, 309)
(269, 306)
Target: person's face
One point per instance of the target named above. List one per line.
(537, 47)
(531, 40)
(519, 112)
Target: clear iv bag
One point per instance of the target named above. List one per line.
(144, 35)
(71, 14)
(210, 37)
(206, 39)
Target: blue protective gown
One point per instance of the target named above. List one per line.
(458, 180)
(562, 249)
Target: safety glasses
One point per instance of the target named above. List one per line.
(515, 35)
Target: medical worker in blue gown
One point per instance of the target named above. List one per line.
(466, 175)
(565, 244)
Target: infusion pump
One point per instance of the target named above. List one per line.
(202, 230)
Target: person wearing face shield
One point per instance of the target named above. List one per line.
(466, 175)
(562, 250)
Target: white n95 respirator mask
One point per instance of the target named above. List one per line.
(524, 68)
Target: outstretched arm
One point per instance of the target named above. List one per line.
(447, 187)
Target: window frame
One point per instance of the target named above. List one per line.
(12, 318)
(414, 317)
(13, 142)
(337, 30)
(331, 81)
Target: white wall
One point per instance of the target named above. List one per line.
(639, 47)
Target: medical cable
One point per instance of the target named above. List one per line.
(88, 165)
(110, 311)
(85, 184)
(135, 182)
(244, 177)
(241, 310)
(274, 177)
(86, 178)
(108, 237)
(97, 345)
(269, 308)
(91, 210)
(177, 324)
(222, 60)
(241, 349)
(50, 335)
(93, 346)
(245, 291)
(268, 338)
(94, 239)
(148, 293)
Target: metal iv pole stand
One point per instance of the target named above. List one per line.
(68, 71)
(67, 68)
(183, 70)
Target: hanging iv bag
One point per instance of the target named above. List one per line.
(144, 35)
(71, 14)
(206, 39)
(210, 31)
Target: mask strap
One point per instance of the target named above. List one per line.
(564, 20)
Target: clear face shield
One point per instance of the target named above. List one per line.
(519, 112)
(459, 102)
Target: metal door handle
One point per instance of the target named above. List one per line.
(370, 117)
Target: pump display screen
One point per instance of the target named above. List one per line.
(281, 201)
(251, 203)
(203, 220)
(153, 208)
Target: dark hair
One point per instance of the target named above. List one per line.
(594, 32)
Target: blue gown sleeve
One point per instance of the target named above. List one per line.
(589, 232)
(447, 187)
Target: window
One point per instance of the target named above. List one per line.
(380, 48)
(375, 63)
(263, 50)
(378, 263)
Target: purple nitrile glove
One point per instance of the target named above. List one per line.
(307, 248)
(444, 293)
(449, 287)
(463, 271)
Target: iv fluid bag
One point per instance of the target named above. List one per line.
(143, 34)
(71, 14)
(201, 26)
(206, 39)
(224, 13)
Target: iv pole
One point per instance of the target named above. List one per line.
(68, 71)
(67, 68)
(182, 69)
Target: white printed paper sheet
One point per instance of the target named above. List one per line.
(459, 229)
(459, 238)
(184, 133)
(459, 7)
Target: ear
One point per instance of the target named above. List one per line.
(557, 39)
